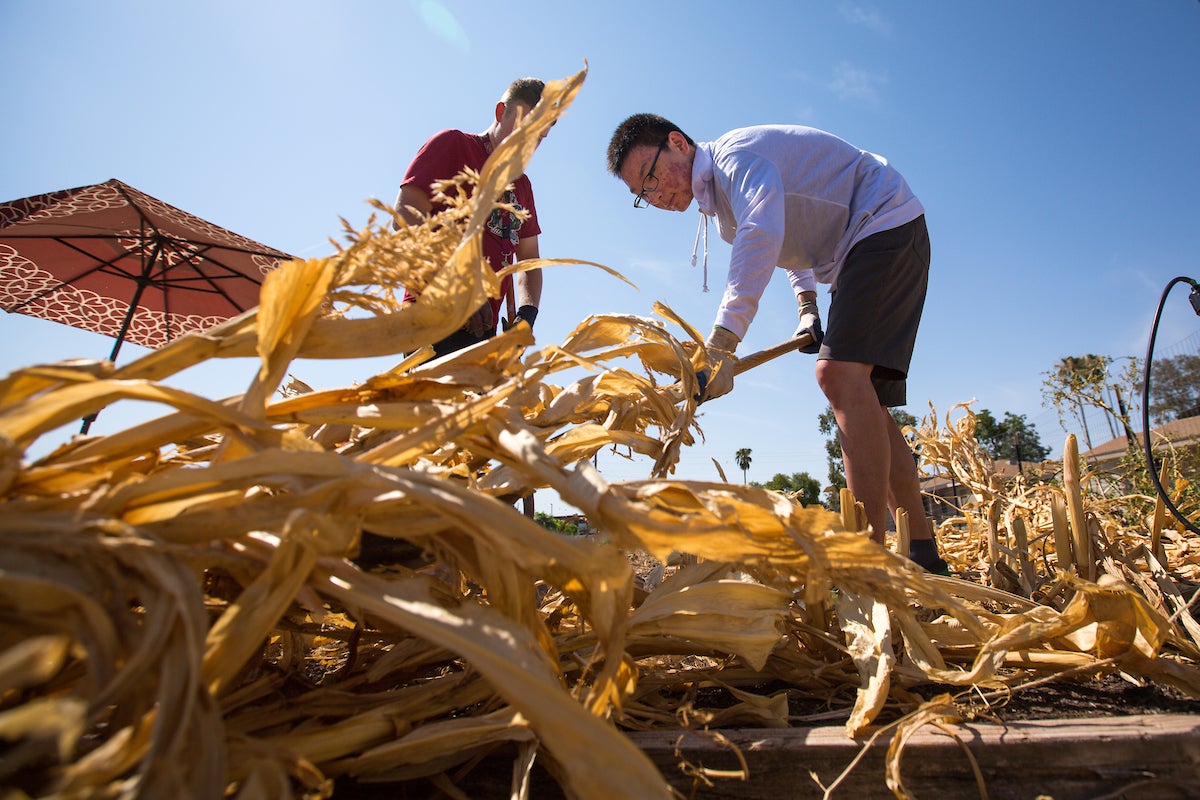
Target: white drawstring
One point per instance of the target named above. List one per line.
(703, 226)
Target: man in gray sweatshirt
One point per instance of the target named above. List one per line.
(808, 202)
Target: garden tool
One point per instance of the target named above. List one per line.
(763, 356)
(740, 365)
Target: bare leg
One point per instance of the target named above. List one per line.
(866, 445)
(904, 486)
(904, 491)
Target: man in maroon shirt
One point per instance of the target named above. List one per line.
(507, 238)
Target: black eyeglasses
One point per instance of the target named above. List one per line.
(650, 182)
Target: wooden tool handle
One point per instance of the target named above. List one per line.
(763, 356)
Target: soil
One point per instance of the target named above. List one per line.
(1105, 696)
(1061, 698)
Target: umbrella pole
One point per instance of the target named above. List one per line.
(137, 296)
(90, 418)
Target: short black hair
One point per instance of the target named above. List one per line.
(524, 90)
(639, 129)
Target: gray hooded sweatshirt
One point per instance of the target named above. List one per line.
(792, 197)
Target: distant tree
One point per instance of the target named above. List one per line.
(1075, 383)
(904, 418)
(1013, 439)
(742, 458)
(1174, 388)
(836, 474)
(805, 488)
(987, 431)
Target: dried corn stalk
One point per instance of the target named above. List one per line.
(180, 616)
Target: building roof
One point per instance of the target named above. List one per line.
(1178, 432)
(1002, 468)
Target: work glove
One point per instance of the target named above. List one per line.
(716, 378)
(482, 324)
(527, 313)
(810, 323)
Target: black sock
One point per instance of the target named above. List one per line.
(924, 552)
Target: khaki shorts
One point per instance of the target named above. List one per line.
(876, 308)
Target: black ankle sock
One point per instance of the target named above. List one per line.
(924, 552)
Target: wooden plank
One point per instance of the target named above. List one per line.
(1063, 759)
(1150, 756)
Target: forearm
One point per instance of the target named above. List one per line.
(528, 286)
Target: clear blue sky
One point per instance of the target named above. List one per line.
(1052, 143)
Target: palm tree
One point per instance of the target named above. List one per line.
(742, 457)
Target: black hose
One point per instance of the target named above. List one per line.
(1194, 297)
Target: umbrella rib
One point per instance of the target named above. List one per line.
(111, 267)
(204, 278)
(145, 215)
(100, 266)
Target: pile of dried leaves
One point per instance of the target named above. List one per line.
(181, 618)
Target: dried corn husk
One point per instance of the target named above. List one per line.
(182, 616)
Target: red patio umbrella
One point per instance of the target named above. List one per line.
(111, 259)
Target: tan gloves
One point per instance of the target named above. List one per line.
(716, 378)
(810, 322)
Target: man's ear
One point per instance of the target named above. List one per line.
(499, 111)
(677, 141)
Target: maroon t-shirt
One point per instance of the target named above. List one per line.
(444, 156)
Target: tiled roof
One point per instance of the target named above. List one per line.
(1178, 432)
(1001, 467)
